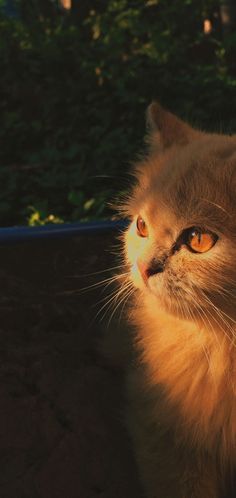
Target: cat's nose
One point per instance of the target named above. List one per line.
(155, 266)
(149, 269)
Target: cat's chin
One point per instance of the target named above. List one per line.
(174, 301)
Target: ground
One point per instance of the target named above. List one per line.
(62, 431)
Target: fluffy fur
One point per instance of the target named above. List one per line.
(183, 390)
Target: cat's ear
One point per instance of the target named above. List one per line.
(166, 129)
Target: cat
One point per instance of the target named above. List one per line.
(180, 255)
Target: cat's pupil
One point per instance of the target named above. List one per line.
(198, 236)
(196, 233)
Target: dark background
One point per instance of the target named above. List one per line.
(62, 421)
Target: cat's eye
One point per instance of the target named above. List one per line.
(142, 229)
(200, 240)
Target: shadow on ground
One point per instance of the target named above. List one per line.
(61, 421)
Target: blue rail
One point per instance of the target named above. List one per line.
(53, 231)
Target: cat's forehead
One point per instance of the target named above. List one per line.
(211, 158)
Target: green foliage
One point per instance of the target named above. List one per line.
(73, 98)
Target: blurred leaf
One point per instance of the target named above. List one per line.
(76, 198)
(88, 204)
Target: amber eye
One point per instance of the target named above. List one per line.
(200, 241)
(141, 227)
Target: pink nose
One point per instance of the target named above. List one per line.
(154, 267)
(143, 268)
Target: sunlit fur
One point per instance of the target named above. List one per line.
(184, 317)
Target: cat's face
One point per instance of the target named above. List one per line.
(181, 243)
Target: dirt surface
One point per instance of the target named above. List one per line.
(61, 403)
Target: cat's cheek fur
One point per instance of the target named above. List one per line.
(135, 246)
(136, 277)
(156, 285)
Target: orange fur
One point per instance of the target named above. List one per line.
(185, 316)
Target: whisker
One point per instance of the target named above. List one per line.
(112, 293)
(204, 348)
(105, 282)
(216, 205)
(198, 307)
(132, 291)
(115, 296)
(126, 296)
(220, 315)
(83, 275)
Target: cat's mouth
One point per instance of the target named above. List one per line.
(164, 285)
(151, 278)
